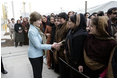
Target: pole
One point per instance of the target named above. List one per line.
(29, 7)
(13, 8)
(85, 6)
(4, 9)
(24, 9)
(61, 9)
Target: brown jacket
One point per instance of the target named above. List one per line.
(48, 31)
(60, 35)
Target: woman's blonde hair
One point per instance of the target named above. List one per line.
(101, 23)
(34, 16)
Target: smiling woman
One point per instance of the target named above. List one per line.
(75, 43)
(98, 48)
(37, 45)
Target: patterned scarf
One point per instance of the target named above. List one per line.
(44, 40)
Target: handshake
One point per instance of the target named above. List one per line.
(57, 46)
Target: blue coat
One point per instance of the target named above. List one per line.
(35, 43)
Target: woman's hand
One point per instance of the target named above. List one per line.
(64, 51)
(20, 31)
(80, 68)
(56, 46)
(25, 30)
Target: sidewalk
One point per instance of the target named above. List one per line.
(17, 64)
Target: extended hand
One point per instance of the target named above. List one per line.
(80, 68)
(56, 46)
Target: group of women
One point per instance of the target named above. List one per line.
(88, 51)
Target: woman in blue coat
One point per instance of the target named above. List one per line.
(36, 46)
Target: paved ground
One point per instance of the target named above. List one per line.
(17, 64)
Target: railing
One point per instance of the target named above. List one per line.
(84, 76)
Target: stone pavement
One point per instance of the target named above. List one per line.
(16, 62)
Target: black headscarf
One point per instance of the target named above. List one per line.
(82, 24)
(73, 18)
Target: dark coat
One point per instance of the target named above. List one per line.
(112, 28)
(53, 33)
(25, 26)
(19, 35)
(75, 41)
(75, 44)
(114, 63)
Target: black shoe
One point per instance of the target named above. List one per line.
(21, 45)
(52, 67)
(4, 72)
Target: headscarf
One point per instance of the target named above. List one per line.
(80, 22)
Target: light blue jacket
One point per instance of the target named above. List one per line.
(35, 43)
